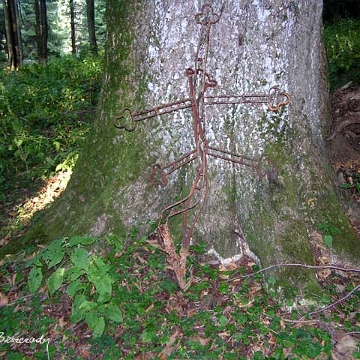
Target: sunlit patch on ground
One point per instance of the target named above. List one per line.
(19, 215)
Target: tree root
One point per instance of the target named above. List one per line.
(342, 126)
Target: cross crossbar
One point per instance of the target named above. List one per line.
(199, 81)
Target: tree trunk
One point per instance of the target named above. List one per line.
(90, 11)
(272, 195)
(72, 24)
(13, 34)
(41, 29)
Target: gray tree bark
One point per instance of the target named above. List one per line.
(13, 33)
(72, 25)
(90, 15)
(41, 29)
(254, 46)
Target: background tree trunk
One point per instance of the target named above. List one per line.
(254, 46)
(13, 34)
(90, 11)
(41, 29)
(72, 24)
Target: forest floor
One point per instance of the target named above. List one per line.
(24, 200)
(229, 312)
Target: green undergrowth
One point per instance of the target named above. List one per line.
(342, 43)
(124, 302)
(45, 114)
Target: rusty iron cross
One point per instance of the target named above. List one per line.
(199, 81)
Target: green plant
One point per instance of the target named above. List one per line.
(45, 115)
(221, 314)
(353, 182)
(329, 231)
(86, 277)
(342, 43)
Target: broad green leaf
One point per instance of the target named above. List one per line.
(74, 273)
(81, 240)
(55, 245)
(80, 258)
(88, 305)
(322, 226)
(96, 323)
(326, 299)
(54, 253)
(88, 240)
(242, 319)
(103, 286)
(56, 257)
(102, 308)
(35, 278)
(74, 287)
(114, 313)
(98, 267)
(271, 280)
(223, 287)
(223, 320)
(76, 313)
(73, 241)
(328, 240)
(55, 280)
(345, 186)
(34, 261)
(148, 336)
(116, 242)
(57, 145)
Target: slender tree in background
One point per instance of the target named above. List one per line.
(13, 33)
(268, 209)
(41, 29)
(3, 50)
(72, 24)
(90, 11)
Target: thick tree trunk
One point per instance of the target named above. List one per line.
(90, 11)
(13, 34)
(41, 29)
(271, 207)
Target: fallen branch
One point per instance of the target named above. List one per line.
(316, 267)
(342, 126)
(335, 302)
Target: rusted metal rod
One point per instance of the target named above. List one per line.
(199, 81)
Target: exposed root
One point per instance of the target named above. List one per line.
(342, 126)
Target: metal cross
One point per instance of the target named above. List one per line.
(199, 81)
